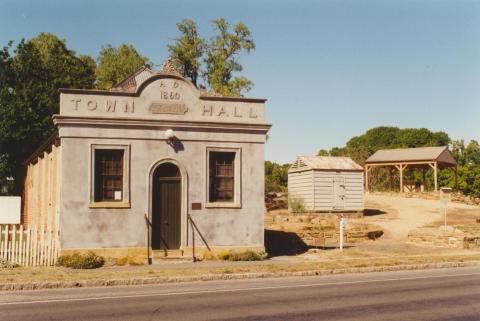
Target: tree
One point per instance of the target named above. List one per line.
(359, 148)
(276, 177)
(214, 61)
(30, 78)
(323, 152)
(187, 50)
(115, 64)
(222, 58)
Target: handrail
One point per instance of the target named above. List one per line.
(195, 227)
(149, 236)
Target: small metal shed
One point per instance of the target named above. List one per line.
(327, 184)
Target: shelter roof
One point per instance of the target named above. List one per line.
(324, 163)
(439, 154)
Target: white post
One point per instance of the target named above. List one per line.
(341, 232)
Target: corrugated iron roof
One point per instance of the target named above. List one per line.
(407, 154)
(131, 83)
(325, 163)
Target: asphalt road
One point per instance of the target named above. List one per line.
(445, 294)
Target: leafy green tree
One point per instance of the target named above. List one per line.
(222, 58)
(338, 151)
(276, 177)
(30, 76)
(187, 50)
(115, 64)
(323, 152)
(472, 153)
(359, 148)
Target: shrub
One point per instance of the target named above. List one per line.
(223, 255)
(4, 264)
(296, 204)
(122, 261)
(209, 256)
(130, 260)
(81, 261)
(247, 255)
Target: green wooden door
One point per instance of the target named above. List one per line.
(166, 215)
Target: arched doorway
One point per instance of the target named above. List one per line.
(166, 207)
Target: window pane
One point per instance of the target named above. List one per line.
(108, 174)
(222, 176)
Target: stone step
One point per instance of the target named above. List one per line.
(167, 253)
(170, 255)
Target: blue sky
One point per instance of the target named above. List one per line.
(329, 69)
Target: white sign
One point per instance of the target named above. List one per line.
(10, 209)
(117, 195)
(445, 195)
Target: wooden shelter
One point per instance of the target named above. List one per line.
(327, 184)
(422, 157)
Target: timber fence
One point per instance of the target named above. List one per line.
(29, 246)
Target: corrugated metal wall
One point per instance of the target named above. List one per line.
(328, 190)
(300, 184)
(325, 193)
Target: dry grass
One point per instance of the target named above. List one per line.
(332, 260)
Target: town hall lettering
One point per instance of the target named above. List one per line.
(111, 105)
(163, 106)
(223, 112)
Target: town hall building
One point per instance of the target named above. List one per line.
(144, 163)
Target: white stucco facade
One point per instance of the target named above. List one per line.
(136, 121)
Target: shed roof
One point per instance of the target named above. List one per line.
(324, 163)
(440, 154)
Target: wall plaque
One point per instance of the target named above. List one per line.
(164, 108)
(196, 206)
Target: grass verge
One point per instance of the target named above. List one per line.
(59, 274)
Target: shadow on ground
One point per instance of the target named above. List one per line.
(372, 212)
(279, 243)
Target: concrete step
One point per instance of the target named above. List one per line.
(170, 255)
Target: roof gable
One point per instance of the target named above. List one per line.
(324, 163)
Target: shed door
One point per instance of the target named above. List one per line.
(166, 211)
(339, 192)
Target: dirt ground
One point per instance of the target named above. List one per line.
(397, 216)
(400, 215)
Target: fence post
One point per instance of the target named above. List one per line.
(21, 251)
(9, 244)
(5, 243)
(42, 246)
(2, 241)
(27, 247)
(34, 245)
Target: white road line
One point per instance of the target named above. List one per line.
(235, 290)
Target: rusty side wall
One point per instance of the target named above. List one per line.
(42, 189)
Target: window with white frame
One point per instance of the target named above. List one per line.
(223, 177)
(109, 177)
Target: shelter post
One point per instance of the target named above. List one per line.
(435, 175)
(400, 168)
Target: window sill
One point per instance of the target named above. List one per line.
(223, 205)
(109, 205)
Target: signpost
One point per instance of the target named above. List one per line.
(343, 223)
(445, 198)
